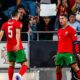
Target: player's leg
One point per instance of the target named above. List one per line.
(70, 60)
(73, 73)
(24, 67)
(76, 69)
(11, 70)
(58, 73)
(21, 58)
(23, 70)
(11, 59)
(59, 63)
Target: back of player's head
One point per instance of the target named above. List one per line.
(15, 13)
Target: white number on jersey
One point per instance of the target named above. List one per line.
(10, 34)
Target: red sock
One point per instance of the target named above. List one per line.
(58, 75)
(23, 70)
(78, 74)
(10, 72)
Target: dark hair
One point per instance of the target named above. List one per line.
(72, 14)
(21, 6)
(65, 15)
(14, 13)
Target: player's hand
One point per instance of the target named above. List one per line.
(78, 56)
(54, 57)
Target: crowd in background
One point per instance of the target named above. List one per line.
(32, 21)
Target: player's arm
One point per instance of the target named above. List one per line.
(1, 34)
(74, 40)
(77, 49)
(18, 35)
(76, 46)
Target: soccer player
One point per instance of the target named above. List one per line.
(67, 39)
(15, 52)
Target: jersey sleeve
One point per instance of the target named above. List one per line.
(73, 34)
(3, 27)
(19, 25)
(74, 39)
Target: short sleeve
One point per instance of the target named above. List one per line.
(19, 25)
(3, 27)
(73, 34)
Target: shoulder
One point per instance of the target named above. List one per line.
(70, 28)
(4, 24)
(3, 27)
(59, 29)
(18, 24)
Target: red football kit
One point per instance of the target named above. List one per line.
(66, 37)
(9, 28)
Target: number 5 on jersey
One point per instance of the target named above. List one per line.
(10, 31)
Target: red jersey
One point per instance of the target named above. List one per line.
(9, 28)
(65, 39)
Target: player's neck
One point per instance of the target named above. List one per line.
(14, 18)
(64, 26)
